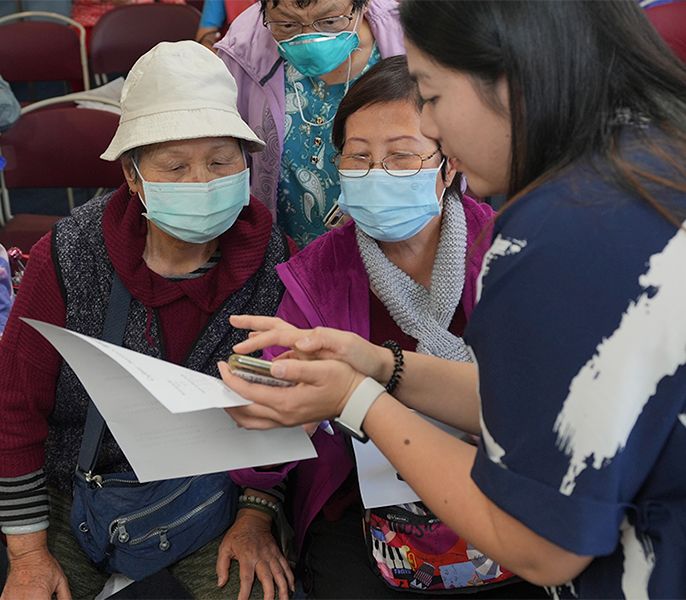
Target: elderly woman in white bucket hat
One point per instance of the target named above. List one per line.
(188, 246)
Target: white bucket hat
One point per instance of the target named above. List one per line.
(178, 91)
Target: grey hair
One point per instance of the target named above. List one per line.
(134, 156)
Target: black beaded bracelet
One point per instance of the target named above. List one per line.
(398, 364)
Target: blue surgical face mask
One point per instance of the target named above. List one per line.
(314, 54)
(196, 212)
(388, 208)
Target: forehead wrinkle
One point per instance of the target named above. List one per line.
(320, 8)
(162, 152)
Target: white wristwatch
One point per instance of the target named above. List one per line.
(355, 410)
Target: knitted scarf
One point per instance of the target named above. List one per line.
(420, 313)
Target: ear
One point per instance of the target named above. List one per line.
(132, 179)
(450, 172)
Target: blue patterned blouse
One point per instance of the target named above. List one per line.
(309, 186)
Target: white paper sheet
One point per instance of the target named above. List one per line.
(114, 584)
(166, 418)
(379, 482)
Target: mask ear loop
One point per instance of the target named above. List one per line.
(299, 103)
(442, 174)
(463, 180)
(357, 22)
(135, 166)
(241, 144)
(347, 83)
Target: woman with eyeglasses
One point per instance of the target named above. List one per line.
(294, 60)
(405, 268)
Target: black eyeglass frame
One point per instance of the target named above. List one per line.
(350, 17)
(371, 163)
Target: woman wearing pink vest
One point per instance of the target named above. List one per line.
(405, 268)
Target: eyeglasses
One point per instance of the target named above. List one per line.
(286, 29)
(398, 164)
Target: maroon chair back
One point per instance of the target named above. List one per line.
(670, 22)
(39, 51)
(60, 147)
(55, 147)
(124, 34)
(197, 4)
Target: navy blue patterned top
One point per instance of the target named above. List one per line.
(580, 339)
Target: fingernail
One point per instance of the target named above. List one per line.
(278, 370)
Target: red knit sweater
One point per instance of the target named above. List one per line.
(29, 365)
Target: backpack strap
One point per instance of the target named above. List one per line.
(113, 332)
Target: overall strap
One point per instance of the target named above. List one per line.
(113, 332)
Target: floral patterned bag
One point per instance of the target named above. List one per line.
(411, 549)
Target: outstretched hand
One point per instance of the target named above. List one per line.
(323, 387)
(318, 343)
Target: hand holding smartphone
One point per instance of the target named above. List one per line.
(258, 370)
(335, 217)
(255, 370)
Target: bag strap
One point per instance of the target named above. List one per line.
(113, 332)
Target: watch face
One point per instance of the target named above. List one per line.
(358, 435)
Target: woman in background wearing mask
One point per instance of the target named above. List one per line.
(293, 61)
(191, 247)
(405, 269)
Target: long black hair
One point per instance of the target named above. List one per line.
(577, 72)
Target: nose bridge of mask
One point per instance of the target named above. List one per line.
(314, 54)
(208, 198)
(379, 189)
(390, 208)
(198, 212)
(192, 187)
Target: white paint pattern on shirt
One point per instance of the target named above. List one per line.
(682, 418)
(494, 450)
(639, 560)
(554, 591)
(501, 246)
(610, 391)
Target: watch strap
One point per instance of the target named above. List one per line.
(360, 401)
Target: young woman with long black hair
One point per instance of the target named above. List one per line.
(577, 112)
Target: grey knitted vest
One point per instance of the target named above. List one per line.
(85, 274)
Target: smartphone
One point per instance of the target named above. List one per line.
(255, 370)
(335, 217)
